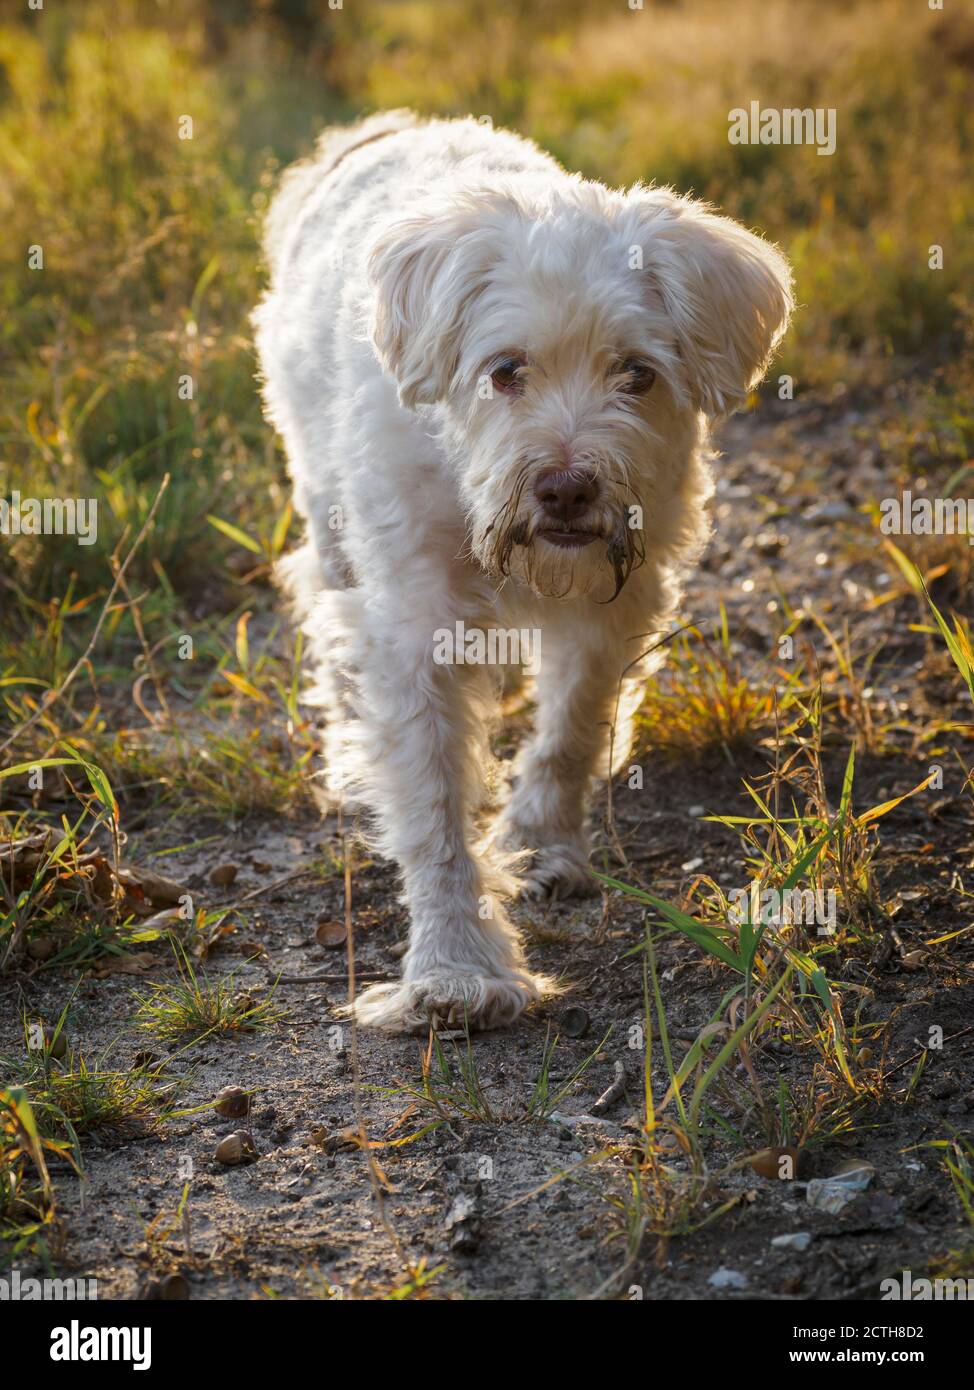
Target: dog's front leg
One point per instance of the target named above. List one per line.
(577, 690)
(422, 751)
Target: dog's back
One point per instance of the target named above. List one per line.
(300, 180)
(359, 175)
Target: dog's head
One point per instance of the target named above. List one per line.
(572, 338)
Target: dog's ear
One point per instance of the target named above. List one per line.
(427, 271)
(727, 292)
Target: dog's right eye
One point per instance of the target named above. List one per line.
(638, 374)
(506, 376)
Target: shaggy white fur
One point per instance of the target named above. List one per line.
(494, 381)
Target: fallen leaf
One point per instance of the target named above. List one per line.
(162, 892)
(128, 963)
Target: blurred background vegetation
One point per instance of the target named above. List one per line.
(150, 242)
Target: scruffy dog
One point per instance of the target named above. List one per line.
(494, 381)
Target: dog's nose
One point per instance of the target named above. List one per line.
(565, 493)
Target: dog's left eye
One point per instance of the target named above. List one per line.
(506, 375)
(638, 375)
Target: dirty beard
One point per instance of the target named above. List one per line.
(624, 549)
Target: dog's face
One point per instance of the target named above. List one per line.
(572, 341)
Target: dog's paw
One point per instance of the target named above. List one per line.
(558, 871)
(543, 870)
(444, 999)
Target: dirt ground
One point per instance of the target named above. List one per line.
(474, 1198)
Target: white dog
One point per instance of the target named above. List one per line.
(494, 381)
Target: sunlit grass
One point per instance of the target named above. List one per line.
(450, 1085)
(704, 702)
(198, 1005)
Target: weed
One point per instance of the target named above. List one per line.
(452, 1088)
(196, 1006)
(703, 703)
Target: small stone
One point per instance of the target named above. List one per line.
(463, 1222)
(727, 1279)
(853, 1165)
(769, 542)
(798, 1240)
(833, 1194)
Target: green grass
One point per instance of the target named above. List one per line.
(703, 704)
(80, 1097)
(778, 981)
(71, 1095)
(450, 1085)
(53, 1095)
(27, 1198)
(196, 1006)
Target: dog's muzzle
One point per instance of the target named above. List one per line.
(566, 497)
